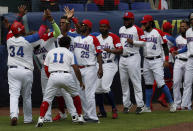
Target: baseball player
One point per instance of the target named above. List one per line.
(58, 64)
(20, 72)
(110, 44)
(86, 49)
(180, 64)
(187, 92)
(41, 52)
(153, 63)
(168, 71)
(130, 61)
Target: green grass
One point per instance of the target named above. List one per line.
(125, 122)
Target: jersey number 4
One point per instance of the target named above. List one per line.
(61, 58)
(19, 51)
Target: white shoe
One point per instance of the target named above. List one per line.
(75, 118)
(146, 109)
(40, 122)
(172, 107)
(81, 120)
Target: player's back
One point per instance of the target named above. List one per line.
(59, 59)
(19, 52)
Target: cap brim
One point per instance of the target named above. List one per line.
(144, 21)
(127, 17)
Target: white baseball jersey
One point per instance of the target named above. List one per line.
(85, 49)
(181, 42)
(47, 44)
(189, 37)
(111, 42)
(20, 50)
(135, 33)
(71, 43)
(153, 45)
(59, 59)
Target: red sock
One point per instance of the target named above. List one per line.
(162, 97)
(60, 100)
(43, 108)
(77, 104)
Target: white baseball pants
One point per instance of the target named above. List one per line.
(187, 93)
(89, 75)
(179, 71)
(20, 80)
(104, 84)
(130, 68)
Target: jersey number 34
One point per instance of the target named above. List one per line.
(19, 51)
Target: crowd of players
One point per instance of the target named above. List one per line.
(78, 66)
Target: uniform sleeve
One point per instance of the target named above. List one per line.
(73, 34)
(47, 36)
(116, 41)
(163, 41)
(56, 32)
(9, 35)
(140, 33)
(96, 44)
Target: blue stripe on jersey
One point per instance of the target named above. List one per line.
(32, 38)
(184, 49)
(172, 39)
(95, 34)
(73, 34)
(75, 60)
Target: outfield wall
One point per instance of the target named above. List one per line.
(33, 20)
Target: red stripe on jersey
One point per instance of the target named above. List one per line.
(162, 35)
(9, 35)
(116, 41)
(96, 44)
(140, 33)
(47, 36)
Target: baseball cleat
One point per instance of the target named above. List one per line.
(40, 122)
(28, 122)
(14, 121)
(186, 108)
(75, 118)
(60, 116)
(102, 115)
(81, 120)
(139, 110)
(48, 120)
(127, 109)
(114, 114)
(146, 109)
(172, 107)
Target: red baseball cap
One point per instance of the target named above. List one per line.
(129, 15)
(167, 26)
(105, 22)
(147, 18)
(87, 22)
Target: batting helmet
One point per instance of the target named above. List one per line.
(17, 28)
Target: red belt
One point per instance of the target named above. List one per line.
(80, 67)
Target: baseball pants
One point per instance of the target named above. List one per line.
(130, 68)
(20, 80)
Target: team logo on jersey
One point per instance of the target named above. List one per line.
(40, 50)
(180, 46)
(130, 36)
(151, 39)
(189, 39)
(80, 45)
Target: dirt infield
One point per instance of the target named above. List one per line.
(4, 111)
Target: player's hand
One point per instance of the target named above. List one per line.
(22, 10)
(100, 73)
(166, 64)
(107, 50)
(47, 15)
(174, 53)
(82, 85)
(69, 13)
(130, 41)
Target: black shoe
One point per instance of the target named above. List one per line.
(102, 115)
(125, 110)
(91, 121)
(139, 110)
